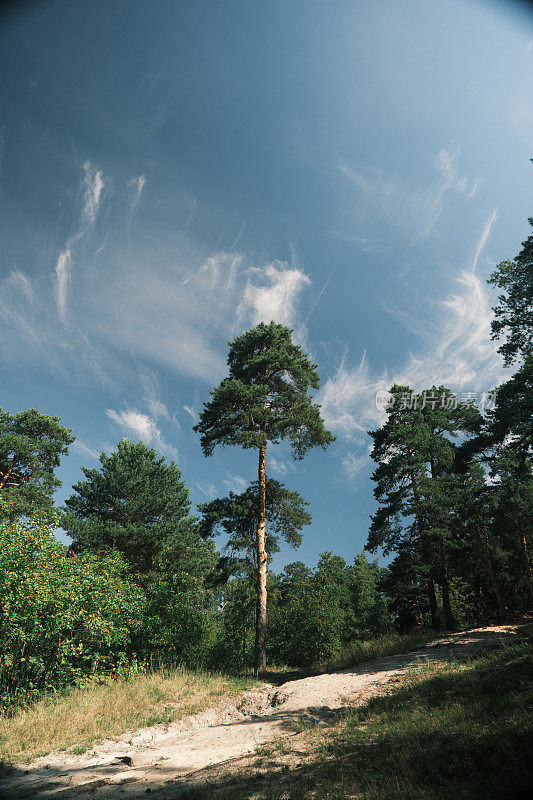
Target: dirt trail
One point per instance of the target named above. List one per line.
(165, 757)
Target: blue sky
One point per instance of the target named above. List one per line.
(174, 172)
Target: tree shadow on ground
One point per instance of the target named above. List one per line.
(465, 734)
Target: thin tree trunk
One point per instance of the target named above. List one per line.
(527, 563)
(446, 605)
(261, 611)
(490, 570)
(433, 607)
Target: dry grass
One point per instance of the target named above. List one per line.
(78, 718)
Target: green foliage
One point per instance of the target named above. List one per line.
(31, 445)
(368, 615)
(179, 621)
(233, 647)
(514, 313)
(62, 616)
(316, 613)
(238, 517)
(416, 483)
(264, 398)
(137, 504)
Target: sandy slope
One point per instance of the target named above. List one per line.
(165, 757)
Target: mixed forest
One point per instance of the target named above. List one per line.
(145, 582)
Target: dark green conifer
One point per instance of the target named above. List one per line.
(263, 400)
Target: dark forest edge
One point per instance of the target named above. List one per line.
(143, 585)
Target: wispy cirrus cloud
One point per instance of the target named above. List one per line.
(414, 208)
(84, 449)
(142, 427)
(458, 353)
(16, 298)
(136, 186)
(354, 464)
(192, 412)
(280, 466)
(366, 244)
(93, 185)
(167, 301)
(20, 282)
(63, 271)
(483, 238)
(207, 489)
(235, 483)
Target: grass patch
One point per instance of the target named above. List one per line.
(383, 646)
(77, 718)
(461, 731)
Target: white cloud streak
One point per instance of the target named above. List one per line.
(280, 466)
(354, 464)
(459, 353)
(235, 483)
(192, 412)
(165, 301)
(84, 450)
(63, 271)
(91, 187)
(157, 408)
(142, 427)
(274, 297)
(93, 184)
(415, 209)
(136, 187)
(483, 238)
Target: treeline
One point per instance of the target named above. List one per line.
(143, 585)
(455, 487)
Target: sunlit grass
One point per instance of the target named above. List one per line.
(78, 718)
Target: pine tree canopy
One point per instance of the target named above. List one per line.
(264, 398)
(514, 312)
(31, 445)
(135, 503)
(509, 425)
(415, 452)
(238, 516)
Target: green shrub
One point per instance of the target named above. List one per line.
(61, 616)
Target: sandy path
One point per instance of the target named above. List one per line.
(165, 756)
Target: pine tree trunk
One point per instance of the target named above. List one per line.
(446, 605)
(527, 563)
(490, 570)
(261, 612)
(433, 607)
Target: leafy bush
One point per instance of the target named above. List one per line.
(179, 621)
(61, 616)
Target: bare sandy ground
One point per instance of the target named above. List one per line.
(164, 759)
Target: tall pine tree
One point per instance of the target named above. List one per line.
(415, 484)
(263, 400)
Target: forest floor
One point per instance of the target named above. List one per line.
(269, 728)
